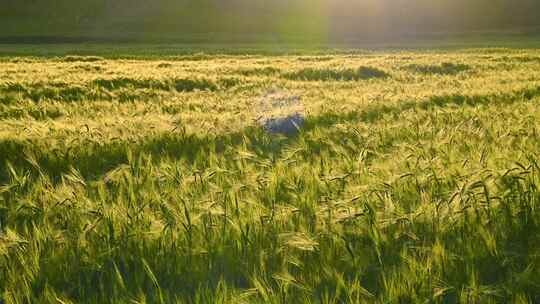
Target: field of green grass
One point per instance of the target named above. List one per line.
(147, 179)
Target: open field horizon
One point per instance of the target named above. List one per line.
(125, 48)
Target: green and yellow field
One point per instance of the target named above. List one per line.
(149, 180)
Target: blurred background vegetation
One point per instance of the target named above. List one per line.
(269, 20)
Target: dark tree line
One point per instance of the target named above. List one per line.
(339, 18)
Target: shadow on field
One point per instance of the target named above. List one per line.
(104, 89)
(376, 112)
(178, 84)
(518, 59)
(446, 68)
(34, 112)
(311, 74)
(266, 71)
(74, 58)
(94, 159)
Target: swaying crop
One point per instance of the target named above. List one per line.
(151, 181)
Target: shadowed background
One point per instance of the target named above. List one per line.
(261, 20)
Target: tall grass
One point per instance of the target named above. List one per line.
(410, 188)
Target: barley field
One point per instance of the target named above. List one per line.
(414, 179)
